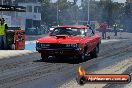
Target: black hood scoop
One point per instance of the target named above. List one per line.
(61, 36)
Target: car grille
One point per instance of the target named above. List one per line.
(53, 46)
(57, 45)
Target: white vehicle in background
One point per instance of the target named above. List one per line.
(122, 30)
(52, 28)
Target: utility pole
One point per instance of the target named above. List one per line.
(57, 14)
(1, 11)
(88, 10)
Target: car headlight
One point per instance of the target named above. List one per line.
(42, 45)
(45, 45)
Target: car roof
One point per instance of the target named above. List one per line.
(72, 27)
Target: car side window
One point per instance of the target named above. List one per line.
(90, 32)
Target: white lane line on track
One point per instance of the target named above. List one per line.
(111, 40)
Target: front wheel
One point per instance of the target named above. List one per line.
(44, 57)
(95, 52)
(82, 57)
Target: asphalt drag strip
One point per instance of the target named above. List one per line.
(117, 67)
(30, 72)
(129, 85)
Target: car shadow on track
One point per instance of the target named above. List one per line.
(64, 60)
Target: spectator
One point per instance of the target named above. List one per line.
(115, 29)
(3, 32)
(103, 28)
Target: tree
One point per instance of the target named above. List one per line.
(75, 2)
(49, 11)
(111, 11)
(127, 17)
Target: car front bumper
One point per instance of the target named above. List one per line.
(60, 52)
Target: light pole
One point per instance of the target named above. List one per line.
(88, 11)
(57, 14)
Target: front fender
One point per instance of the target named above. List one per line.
(85, 47)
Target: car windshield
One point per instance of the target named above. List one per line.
(68, 31)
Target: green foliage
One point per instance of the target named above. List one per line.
(127, 17)
(110, 12)
(49, 11)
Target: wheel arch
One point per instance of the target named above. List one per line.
(86, 48)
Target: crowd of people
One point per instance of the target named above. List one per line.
(104, 29)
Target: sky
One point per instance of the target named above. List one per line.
(122, 1)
